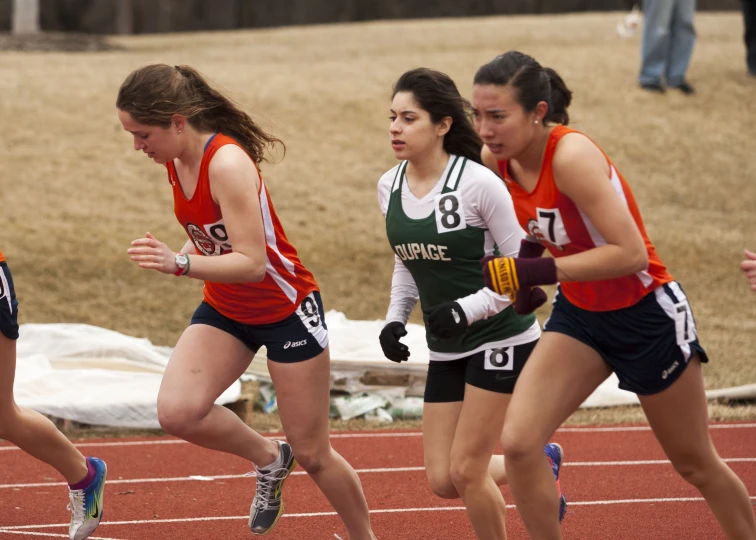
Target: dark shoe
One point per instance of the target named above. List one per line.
(267, 506)
(685, 88)
(653, 87)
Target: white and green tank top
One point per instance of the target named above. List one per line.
(438, 241)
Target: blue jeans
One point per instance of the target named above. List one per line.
(668, 39)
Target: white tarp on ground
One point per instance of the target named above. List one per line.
(92, 375)
(96, 376)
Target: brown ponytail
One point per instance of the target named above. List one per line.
(154, 93)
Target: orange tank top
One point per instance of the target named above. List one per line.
(551, 217)
(286, 281)
(2, 257)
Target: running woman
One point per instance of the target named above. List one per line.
(257, 292)
(444, 211)
(37, 435)
(617, 309)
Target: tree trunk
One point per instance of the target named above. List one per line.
(124, 23)
(25, 17)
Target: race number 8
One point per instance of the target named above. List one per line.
(499, 359)
(450, 215)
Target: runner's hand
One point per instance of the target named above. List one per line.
(529, 299)
(153, 254)
(393, 349)
(447, 320)
(507, 275)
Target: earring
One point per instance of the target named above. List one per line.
(533, 122)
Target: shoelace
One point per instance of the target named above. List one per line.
(76, 505)
(266, 485)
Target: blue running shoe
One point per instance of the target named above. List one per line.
(555, 454)
(86, 504)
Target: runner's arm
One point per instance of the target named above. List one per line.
(494, 204)
(581, 172)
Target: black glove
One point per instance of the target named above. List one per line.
(447, 320)
(393, 349)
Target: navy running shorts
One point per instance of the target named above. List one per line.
(299, 337)
(648, 345)
(495, 370)
(8, 304)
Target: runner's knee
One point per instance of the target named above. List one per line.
(697, 469)
(441, 484)
(311, 457)
(468, 470)
(518, 448)
(179, 418)
(10, 419)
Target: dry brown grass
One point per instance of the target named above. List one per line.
(73, 194)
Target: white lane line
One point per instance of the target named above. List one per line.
(195, 478)
(326, 514)
(641, 462)
(32, 533)
(371, 435)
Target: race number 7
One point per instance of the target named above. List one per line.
(552, 226)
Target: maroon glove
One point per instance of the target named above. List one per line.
(507, 275)
(527, 300)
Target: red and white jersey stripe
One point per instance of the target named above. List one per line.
(286, 281)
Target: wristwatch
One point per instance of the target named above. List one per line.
(182, 262)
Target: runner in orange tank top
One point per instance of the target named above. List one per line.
(616, 309)
(37, 435)
(257, 292)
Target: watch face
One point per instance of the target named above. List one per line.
(181, 260)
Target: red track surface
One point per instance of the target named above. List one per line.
(149, 494)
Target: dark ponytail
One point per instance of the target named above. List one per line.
(561, 97)
(154, 93)
(532, 82)
(436, 93)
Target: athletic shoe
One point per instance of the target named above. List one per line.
(86, 504)
(267, 506)
(556, 455)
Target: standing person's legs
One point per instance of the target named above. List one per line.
(679, 419)
(303, 397)
(681, 41)
(567, 371)
(657, 15)
(749, 21)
